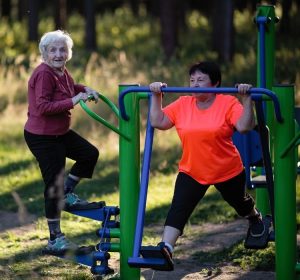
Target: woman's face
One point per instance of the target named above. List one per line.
(201, 80)
(57, 55)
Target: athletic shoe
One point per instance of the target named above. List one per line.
(73, 202)
(256, 225)
(59, 246)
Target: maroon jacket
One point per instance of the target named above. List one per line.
(50, 101)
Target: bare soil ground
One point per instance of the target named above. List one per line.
(209, 238)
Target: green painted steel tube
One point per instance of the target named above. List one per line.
(114, 233)
(262, 197)
(285, 187)
(129, 158)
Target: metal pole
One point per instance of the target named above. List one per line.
(285, 187)
(129, 158)
(265, 19)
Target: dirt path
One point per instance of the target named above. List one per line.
(210, 238)
(207, 238)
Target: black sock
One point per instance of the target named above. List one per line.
(54, 229)
(70, 184)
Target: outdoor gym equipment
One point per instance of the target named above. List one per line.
(153, 256)
(280, 147)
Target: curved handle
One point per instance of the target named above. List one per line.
(256, 94)
(100, 119)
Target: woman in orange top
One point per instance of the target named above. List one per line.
(205, 123)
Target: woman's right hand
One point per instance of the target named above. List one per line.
(156, 87)
(80, 96)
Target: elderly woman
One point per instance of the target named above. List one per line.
(52, 93)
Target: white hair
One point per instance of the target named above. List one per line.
(55, 36)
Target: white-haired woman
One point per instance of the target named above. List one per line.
(52, 93)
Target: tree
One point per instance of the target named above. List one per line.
(223, 30)
(33, 20)
(285, 25)
(169, 26)
(60, 14)
(134, 6)
(21, 9)
(90, 25)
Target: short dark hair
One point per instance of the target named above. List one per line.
(210, 68)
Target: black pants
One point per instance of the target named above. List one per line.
(188, 192)
(51, 153)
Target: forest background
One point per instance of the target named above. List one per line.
(116, 42)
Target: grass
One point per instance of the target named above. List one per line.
(127, 54)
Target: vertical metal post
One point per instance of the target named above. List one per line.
(265, 76)
(285, 187)
(129, 158)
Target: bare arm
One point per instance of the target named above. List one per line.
(158, 118)
(247, 120)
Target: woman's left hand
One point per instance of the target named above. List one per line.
(94, 94)
(243, 92)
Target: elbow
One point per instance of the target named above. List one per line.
(245, 129)
(154, 124)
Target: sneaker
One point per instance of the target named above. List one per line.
(73, 202)
(59, 246)
(169, 266)
(165, 249)
(256, 225)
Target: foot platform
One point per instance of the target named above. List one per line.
(154, 257)
(260, 242)
(86, 206)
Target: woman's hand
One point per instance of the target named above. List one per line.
(84, 96)
(247, 120)
(243, 92)
(156, 87)
(92, 93)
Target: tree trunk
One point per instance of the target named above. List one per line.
(134, 6)
(22, 9)
(33, 20)
(285, 25)
(90, 26)
(60, 14)
(223, 30)
(169, 27)
(5, 8)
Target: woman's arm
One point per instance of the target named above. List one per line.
(247, 120)
(158, 118)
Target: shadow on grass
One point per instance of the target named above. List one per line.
(32, 194)
(13, 166)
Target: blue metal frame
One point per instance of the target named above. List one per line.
(143, 196)
(256, 94)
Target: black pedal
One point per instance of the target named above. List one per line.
(260, 242)
(158, 252)
(84, 250)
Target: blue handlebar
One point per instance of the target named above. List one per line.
(256, 94)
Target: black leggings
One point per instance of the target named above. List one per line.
(188, 192)
(51, 153)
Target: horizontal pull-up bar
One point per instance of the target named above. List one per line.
(256, 94)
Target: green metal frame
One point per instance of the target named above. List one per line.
(282, 144)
